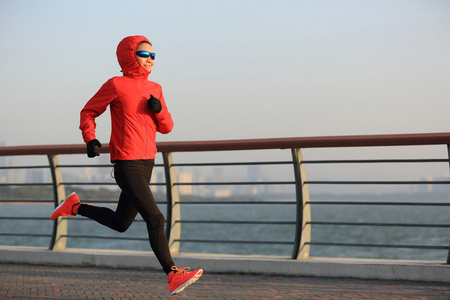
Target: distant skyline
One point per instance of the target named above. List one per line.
(252, 173)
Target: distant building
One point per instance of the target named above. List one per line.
(222, 193)
(184, 177)
(35, 176)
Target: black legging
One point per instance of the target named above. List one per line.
(133, 178)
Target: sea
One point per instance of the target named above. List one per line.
(11, 230)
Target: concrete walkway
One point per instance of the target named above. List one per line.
(53, 282)
(379, 269)
(38, 273)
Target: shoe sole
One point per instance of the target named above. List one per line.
(60, 205)
(188, 283)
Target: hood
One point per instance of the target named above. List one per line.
(126, 55)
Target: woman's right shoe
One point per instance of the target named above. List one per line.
(68, 207)
(179, 279)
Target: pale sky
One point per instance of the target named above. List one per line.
(231, 69)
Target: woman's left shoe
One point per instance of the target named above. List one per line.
(68, 207)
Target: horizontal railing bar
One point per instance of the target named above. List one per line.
(25, 184)
(87, 219)
(89, 183)
(263, 222)
(418, 160)
(20, 201)
(24, 167)
(380, 224)
(25, 218)
(237, 183)
(376, 245)
(232, 164)
(96, 166)
(92, 201)
(242, 183)
(234, 241)
(104, 237)
(378, 203)
(236, 222)
(25, 234)
(416, 139)
(308, 142)
(48, 218)
(378, 182)
(85, 166)
(101, 183)
(235, 202)
(357, 161)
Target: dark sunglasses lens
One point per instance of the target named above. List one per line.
(143, 54)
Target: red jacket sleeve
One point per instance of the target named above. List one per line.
(94, 108)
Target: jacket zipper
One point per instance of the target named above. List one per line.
(141, 92)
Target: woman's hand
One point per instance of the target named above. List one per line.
(91, 148)
(154, 104)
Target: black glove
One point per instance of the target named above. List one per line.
(154, 104)
(91, 148)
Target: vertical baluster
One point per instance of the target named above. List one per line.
(58, 241)
(448, 255)
(303, 229)
(173, 216)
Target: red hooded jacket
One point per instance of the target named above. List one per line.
(134, 125)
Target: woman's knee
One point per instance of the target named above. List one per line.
(156, 222)
(121, 227)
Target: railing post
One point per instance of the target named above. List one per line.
(448, 254)
(448, 151)
(303, 228)
(173, 226)
(58, 241)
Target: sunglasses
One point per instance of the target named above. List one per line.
(145, 54)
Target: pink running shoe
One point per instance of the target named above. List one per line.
(179, 279)
(67, 207)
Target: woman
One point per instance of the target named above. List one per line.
(138, 112)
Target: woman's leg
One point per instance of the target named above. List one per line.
(133, 177)
(119, 220)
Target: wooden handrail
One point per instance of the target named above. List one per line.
(253, 144)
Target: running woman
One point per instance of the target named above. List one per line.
(138, 112)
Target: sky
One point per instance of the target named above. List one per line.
(231, 69)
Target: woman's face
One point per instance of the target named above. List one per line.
(146, 62)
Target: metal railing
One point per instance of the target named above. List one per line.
(302, 223)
